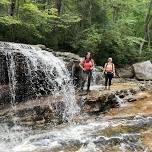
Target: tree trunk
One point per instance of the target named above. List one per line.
(17, 8)
(58, 5)
(148, 33)
(90, 12)
(12, 6)
(146, 28)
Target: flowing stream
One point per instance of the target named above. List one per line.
(91, 135)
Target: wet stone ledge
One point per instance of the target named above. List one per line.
(33, 113)
(102, 100)
(44, 110)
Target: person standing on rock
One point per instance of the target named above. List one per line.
(109, 72)
(87, 65)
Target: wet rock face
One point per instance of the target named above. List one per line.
(37, 112)
(3, 70)
(143, 70)
(21, 78)
(28, 85)
(29, 73)
(100, 101)
(26, 74)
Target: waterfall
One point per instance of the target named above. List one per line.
(33, 73)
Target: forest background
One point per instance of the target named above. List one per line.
(121, 29)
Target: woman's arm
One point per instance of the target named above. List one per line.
(92, 64)
(81, 65)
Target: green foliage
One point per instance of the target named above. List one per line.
(106, 28)
(9, 20)
(90, 39)
(3, 7)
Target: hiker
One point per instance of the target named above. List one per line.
(109, 72)
(87, 65)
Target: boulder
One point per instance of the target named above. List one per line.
(43, 47)
(125, 72)
(143, 70)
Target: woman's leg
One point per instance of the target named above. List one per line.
(110, 76)
(84, 77)
(106, 80)
(89, 80)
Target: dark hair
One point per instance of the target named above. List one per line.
(87, 54)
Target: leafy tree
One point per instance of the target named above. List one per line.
(117, 28)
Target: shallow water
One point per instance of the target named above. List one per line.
(93, 135)
(124, 129)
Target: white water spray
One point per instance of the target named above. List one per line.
(46, 75)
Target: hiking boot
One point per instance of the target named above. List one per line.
(88, 90)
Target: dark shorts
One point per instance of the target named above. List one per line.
(108, 78)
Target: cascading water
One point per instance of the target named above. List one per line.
(97, 79)
(33, 73)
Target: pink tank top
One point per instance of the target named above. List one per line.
(87, 64)
(109, 67)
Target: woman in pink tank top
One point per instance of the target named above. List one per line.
(87, 65)
(109, 71)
